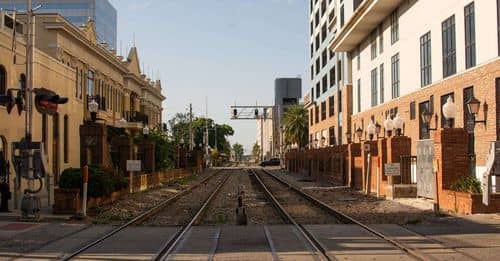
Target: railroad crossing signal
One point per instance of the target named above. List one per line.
(47, 101)
(250, 112)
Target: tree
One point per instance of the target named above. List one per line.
(256, 151)
(296, 125)
(238, 151)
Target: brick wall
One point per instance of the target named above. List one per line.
(481, 78)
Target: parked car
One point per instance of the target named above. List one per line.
(271, 162)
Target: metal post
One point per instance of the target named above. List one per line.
(261, 139)
(85, 186)
(191, 127)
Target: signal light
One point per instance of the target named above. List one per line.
(47, 101)
(8, 101)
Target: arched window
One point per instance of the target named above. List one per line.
(3, 80)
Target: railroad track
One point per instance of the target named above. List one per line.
(148, 214)
(341, 217)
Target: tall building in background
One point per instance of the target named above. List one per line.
(327, 99)
(78, 12)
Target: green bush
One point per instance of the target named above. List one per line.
(101, 182)
(467, 184)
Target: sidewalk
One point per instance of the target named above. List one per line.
(45, 216)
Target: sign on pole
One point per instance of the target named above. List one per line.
(392, 169)
(133, 165)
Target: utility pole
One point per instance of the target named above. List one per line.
(191, 136)
(261, 138)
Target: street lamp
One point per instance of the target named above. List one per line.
(359, 133)
(93, 108)
(323, 140)
(473, 105)
(388, 126)
(450, 112)
(398, 124)
(145, 131)
(371, 130)
(316, 143)
(378, 129)
(426, 119)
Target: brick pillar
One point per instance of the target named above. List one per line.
(397, 146)
(382, 159)
(93, 139)
(450, 148)
(353, 151)
(373, 151)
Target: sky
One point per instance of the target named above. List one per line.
(224, 51)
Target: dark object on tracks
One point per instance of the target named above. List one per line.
(241, 214)
(271, 162)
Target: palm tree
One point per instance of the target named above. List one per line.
(296, 125)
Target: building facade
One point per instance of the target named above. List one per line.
(327, 110)
(401, 63)
(69, 61)
(78, 12)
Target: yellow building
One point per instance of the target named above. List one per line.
(69, 61)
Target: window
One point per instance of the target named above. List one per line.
(324, 59)
(66, 139)
(312, 94)
(317, 42)
(394, 27)
(77, 83)
(359, 95)
(470, 36)
(312, 50)
(425, 59)
(342, 15)
(323, 111)
(374, 87)
(22, 81)
(381, 83)
(325, 83)
(449, 51)
(323, 33)
(339, 70)
(395, 75)
(331, 135)
(380, 38)
(323, 7)
(331, 54)
(3, 80)
(316, 114)
(44, 132)
(339, 97)
(317, 65)
(339, 137)
(82, 84)
(312, 71)
(358, 59)
(312, 28)
(311, 117)
(423, 130)
(467, 94)
(332, 76)
(373, 44)
(331, 106)
(413, 112)
(316, 18)
(444, 98)
(90, 83)
(318, 90)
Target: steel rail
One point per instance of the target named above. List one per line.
(172, 242)
(139, 218)
(312, 240)
(348, 219)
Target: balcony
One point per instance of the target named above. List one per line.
(136, 116)
(367, 16)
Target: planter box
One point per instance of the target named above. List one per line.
(66, 201)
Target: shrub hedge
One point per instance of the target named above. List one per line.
(101, 182)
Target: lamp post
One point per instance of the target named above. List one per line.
(145, 131)
(359, 133)
(388, 126)
(316, 143)
(93, 108)
(450, 112)
(371, 128)
(398, 124)
(473, 106)
(426, 119)
(323, 140)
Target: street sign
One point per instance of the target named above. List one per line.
(392, 169)
(133, 165)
